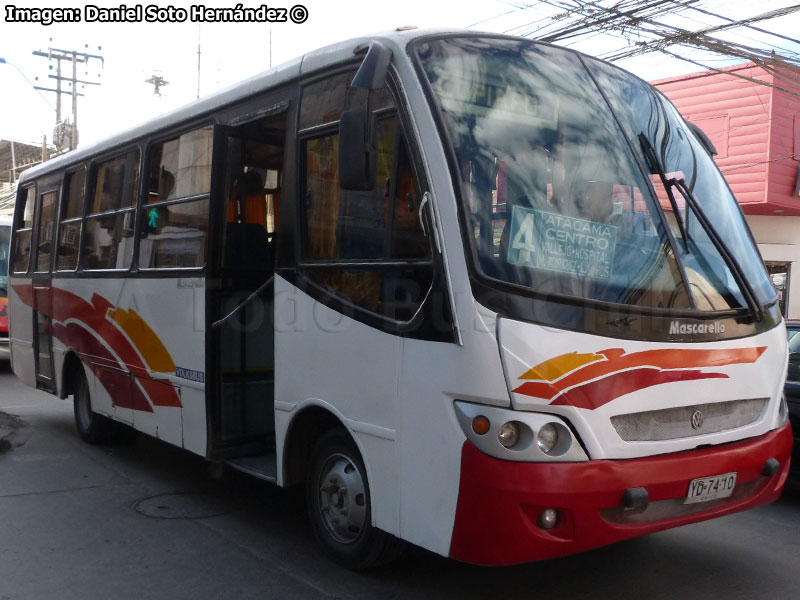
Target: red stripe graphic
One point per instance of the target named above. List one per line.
(116, 382)
(89, 321)
(597, 383)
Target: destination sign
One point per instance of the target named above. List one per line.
(554, 242)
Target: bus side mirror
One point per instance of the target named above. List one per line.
(703, 137)
(373, 70)
(358, 131)
(358, 150)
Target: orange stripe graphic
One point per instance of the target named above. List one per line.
(586, 370)
(145, 339)
(552, 369)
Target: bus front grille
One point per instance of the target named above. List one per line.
(681, 422)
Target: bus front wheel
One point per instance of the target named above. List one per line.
(338, 501)
(92, 427)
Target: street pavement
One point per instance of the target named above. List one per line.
(142, 520)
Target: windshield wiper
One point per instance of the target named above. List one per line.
(736, 269)
(655, 167)
(692, 204)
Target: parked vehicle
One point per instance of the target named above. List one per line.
(5, 237)
(792, 391)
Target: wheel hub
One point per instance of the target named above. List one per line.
(342, 499)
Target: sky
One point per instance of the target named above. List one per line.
(229, 52)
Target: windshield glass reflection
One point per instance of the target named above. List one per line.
(642, 109)
(555, 200)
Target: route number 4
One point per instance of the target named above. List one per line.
(524, 240)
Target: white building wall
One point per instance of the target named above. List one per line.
(778, 238)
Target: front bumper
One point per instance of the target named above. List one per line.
(499, 502)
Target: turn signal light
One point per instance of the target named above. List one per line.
(480, 425)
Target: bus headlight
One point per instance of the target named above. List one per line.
(554, 439)
(508, 434)
(518, 435)
(547, 438)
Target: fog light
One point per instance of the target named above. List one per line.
(548, 518)
(508, 434)
(547, 437)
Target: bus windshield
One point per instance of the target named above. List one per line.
(558, 196)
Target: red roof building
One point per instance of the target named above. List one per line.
(752, 115)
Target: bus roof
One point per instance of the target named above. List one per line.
(302, 65)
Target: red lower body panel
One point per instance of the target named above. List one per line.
(499, 501)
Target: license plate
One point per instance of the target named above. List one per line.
(703, 489)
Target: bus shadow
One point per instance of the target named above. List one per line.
(650, 567)
(707, 560)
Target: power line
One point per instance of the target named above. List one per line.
(754, 28)
(734, 74)
(702, 40)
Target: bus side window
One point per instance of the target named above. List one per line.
(174, 216)
(108, 239)
(69, 229)
(47, 213)
(379, 227)
(24, 231)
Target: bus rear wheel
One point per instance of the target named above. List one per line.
(339, 507)
(92, 427)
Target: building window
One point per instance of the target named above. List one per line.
(779, 276)
(796, 137)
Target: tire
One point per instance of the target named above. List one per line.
(339, 506)
(92, 427)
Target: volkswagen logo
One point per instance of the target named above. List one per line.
(697, 419)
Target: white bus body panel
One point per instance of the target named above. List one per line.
(144, 343)
(395, 396)
(574, 375)
(20, 334)
(326, 359)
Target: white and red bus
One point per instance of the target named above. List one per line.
(5, 241)
(485, 295)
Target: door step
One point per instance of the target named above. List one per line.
(264, 466)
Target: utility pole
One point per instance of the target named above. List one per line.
(13, 163)
(198, 61)
(74, 57)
